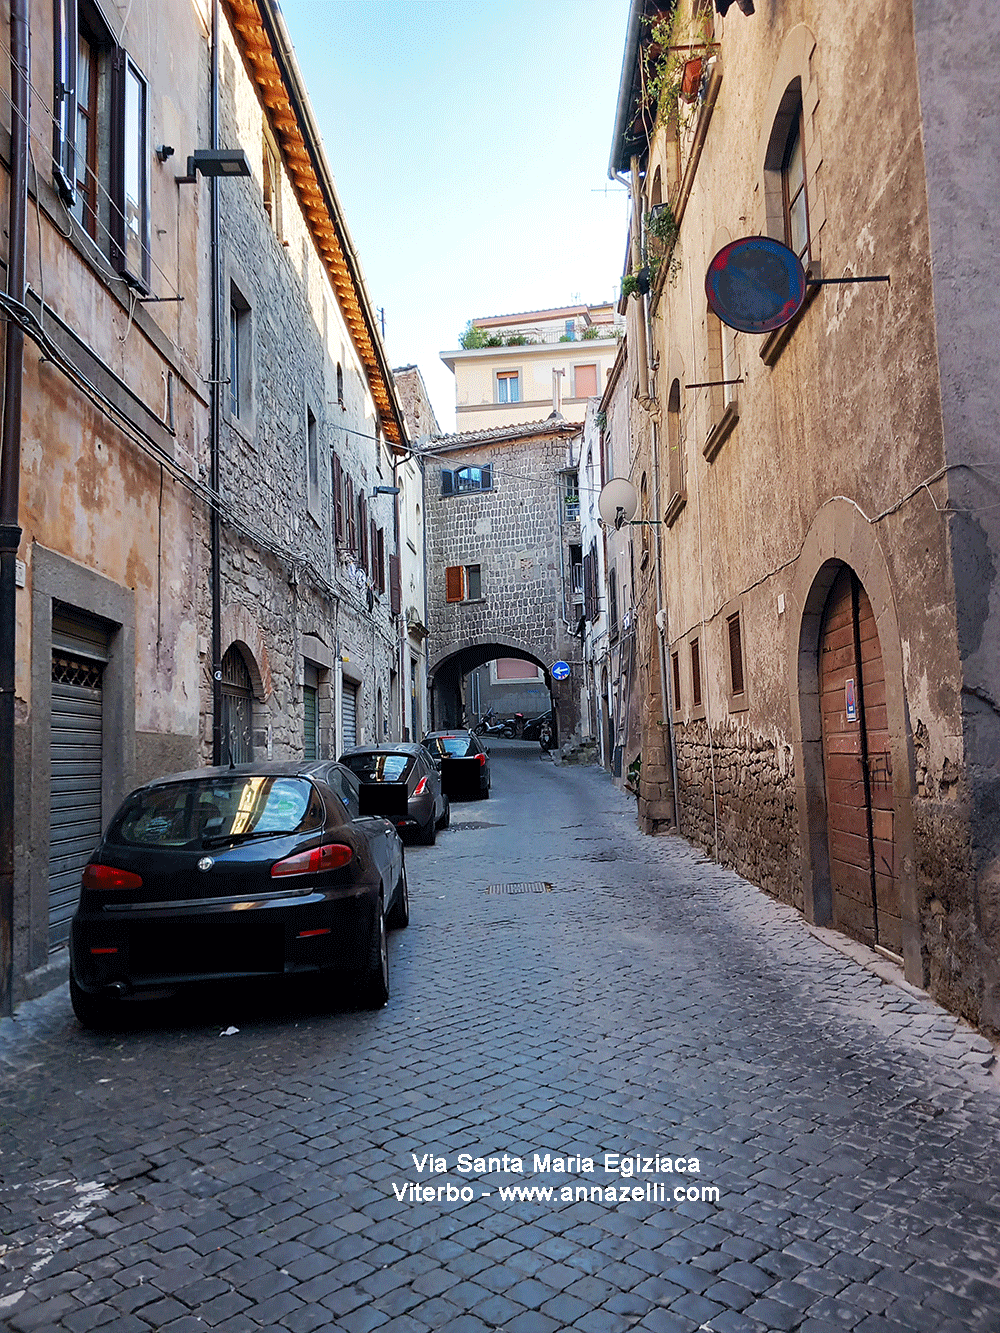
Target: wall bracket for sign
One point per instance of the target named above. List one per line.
(757, 284)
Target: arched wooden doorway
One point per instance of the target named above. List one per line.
(857, 765)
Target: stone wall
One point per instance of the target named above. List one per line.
(747, 785)
(514, 533)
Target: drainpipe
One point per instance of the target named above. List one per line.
(215, 405)
(10, 481)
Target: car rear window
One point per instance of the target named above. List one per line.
(185, 814)
(378, 766)
(455, 747)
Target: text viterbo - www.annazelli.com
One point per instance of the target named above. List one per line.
(625, 1189)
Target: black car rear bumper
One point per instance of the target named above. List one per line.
(125, 951)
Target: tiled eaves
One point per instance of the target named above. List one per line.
(267, 55)
(501, 434)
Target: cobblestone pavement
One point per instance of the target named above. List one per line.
(635, 1000)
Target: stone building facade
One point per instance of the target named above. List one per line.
(501, 543)
(828, 549)
(158, 434)
(311, 647)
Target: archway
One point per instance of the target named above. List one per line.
(841, 538)
(447, 677)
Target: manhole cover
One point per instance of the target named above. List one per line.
(599, 856)
(535, 886)
(472, 823)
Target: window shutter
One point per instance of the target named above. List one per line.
(395, 586)
(488, 477)
(380, 561)
(454, 580)
(363, 531)
(338, 500)
(735, 653)
(588, 586)
(373, 538)
(352, 533)
(447, 482)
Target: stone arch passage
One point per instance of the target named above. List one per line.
(445, 677)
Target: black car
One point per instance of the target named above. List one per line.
(465, 763)
(401, 782)
(253, 871)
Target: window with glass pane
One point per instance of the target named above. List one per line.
(130, 212)
(85, 149)
(793, 179)
(473, 583)
(508, 387)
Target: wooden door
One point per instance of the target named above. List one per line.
(857, 764)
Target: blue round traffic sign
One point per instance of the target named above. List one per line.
(560, 670)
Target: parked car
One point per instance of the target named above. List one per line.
(401, 782)
(260, 870)
(464, 760)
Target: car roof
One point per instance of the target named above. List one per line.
(388, 747)
(266, 768)
(451, 731)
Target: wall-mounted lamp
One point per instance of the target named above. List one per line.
(163, 151)
(385, 490)
(216, 162)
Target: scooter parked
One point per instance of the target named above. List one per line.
(532, 729)
(489, 727)
(512, 726)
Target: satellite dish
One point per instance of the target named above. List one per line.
(755, 284)
(618, 502)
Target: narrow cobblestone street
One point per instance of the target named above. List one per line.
(566, 988)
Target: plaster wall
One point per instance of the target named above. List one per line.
(475, 381)
(110, 518)
(836, 438)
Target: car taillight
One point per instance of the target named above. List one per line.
(331, 857)
(110, 877)
(421, 787)
(482, 761)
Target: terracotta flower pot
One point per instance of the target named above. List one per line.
(690, 79)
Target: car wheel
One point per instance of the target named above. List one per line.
(445, 819)
(93, 1011)
(400, 914)
(376, 981)
(427, 836)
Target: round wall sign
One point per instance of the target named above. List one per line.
(560, 670)
(755, 284)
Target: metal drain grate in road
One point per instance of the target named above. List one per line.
(471, 823)
(535, 886)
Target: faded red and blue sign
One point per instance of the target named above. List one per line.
(755, 284)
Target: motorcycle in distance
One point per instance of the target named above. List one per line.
(512, 726)
(533, 727)
(488, 727)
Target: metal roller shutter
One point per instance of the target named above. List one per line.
(79, 652)
(310, 710)
(349, 712)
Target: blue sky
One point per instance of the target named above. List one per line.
(470, 145)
